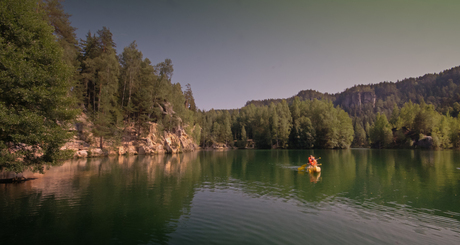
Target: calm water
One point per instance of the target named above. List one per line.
(240, 197)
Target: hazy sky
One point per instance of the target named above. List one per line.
(232, 51)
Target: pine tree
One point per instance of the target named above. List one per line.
(380, 133)
(143, 97)
(294, 136)
(306, 133)
(360, 135)
(105, 107)
(395, 116)
(227, 128)
(34, 101)
(88, 73)
(189, 98)
(274, 122)
(244, 138)
(131, 60)
(64, 32)
(243, 141)
(285, 123)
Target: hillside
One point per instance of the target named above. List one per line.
(441, 90)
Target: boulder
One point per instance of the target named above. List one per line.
(425, 143)
(81, 153)
(97, 152)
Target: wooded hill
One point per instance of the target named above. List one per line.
(440, 93)
(440, 89)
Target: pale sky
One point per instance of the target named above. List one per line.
(232, 51)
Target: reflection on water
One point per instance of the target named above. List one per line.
(360, 197)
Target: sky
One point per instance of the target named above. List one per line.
(233, 51)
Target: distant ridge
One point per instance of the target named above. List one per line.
(440, 89)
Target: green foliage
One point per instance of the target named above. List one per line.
(34, 87)
(306, 124)
(403, 102)
(130, 91)
(196, 133)
(189, 99)
(360, 138)
(306, 133)
(285, 123)
(130, 60)
(333, 126)
(380, 133)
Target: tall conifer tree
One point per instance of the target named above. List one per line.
(34, 101)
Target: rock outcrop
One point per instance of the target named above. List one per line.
(86, 145)
(425, 143)
(358, 99)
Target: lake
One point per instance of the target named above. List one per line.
(362, 196)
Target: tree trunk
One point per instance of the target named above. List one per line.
(139, 124)
(87, 94)
(94, 99)
(99, 98)
(130, 85)
(123, 97)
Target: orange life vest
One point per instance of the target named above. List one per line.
(314, 163)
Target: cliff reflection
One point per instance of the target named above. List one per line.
(126, 199)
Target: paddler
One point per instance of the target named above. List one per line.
(312, 160)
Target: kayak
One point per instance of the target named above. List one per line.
(314, 169)
(310, 169)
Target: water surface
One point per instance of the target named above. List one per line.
(240, 197)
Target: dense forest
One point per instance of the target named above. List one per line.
(49, 77)
(415, 112)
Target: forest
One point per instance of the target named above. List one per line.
(48, 77)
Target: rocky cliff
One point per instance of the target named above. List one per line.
(358, 99)
(86, 145)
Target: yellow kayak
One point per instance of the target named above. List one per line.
(314, 169)
(310, 169)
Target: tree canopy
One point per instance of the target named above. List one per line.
(34, 87)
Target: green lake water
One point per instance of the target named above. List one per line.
(362, 196)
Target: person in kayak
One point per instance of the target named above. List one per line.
(312, 161)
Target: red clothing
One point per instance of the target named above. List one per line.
(312, 161)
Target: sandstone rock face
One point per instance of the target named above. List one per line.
(357, 99)
(172, 143)
(76, 145)
(122, 150)
(97, 152)
(86, 145)
(112, 153)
